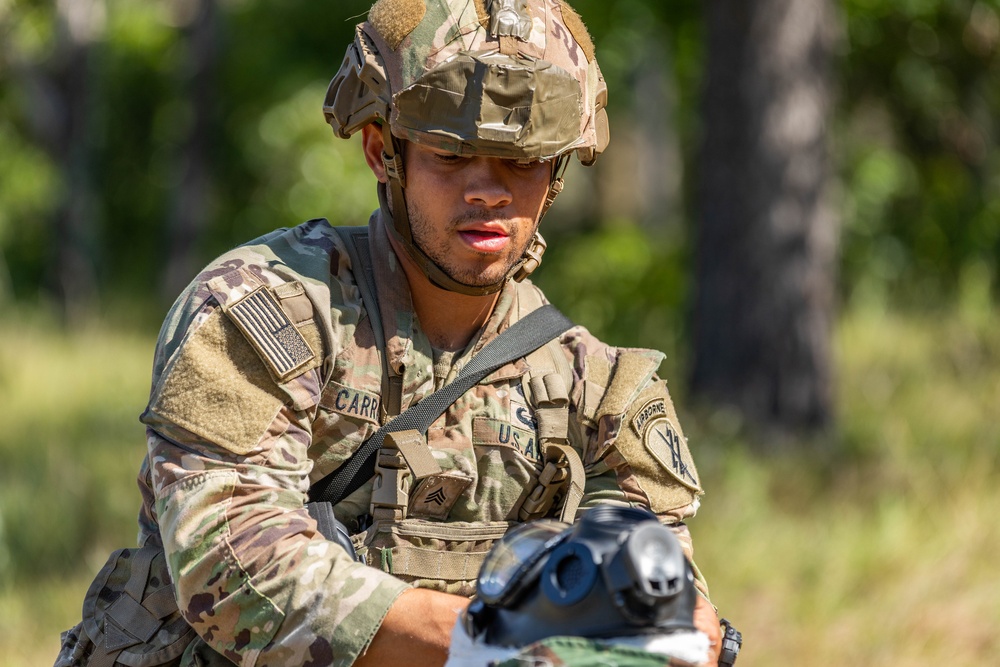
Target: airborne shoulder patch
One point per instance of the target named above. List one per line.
(655, 408)
(662, 439)
(266, 326)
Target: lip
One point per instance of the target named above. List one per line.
(485, 237)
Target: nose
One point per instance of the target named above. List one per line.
(485, 183)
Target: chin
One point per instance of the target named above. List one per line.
(478, 277)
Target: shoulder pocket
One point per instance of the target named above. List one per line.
(218, 388)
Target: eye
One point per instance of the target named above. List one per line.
(529, 165)
(448, 158)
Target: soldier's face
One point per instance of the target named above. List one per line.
(474, 216)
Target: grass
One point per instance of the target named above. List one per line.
(71, 444)
(880, 549)
(874, 546)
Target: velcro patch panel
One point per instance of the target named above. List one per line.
(266, 326)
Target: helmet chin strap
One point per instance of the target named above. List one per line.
(393, 202)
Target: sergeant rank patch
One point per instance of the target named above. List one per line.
(265, 325)
(435, 495)
(664, 441)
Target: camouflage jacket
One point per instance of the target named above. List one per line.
(267, 377)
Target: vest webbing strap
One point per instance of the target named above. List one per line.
(356, 241)
(424, 563)
(521, 338)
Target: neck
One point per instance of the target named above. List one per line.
(449, 319)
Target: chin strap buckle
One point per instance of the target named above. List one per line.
(392, 157)
(532, 258)
(394, 167)
(555, 188)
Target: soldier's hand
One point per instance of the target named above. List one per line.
(416, 631)
(706, 620)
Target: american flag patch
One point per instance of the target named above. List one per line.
(272, 334)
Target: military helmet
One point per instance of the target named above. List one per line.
(514, 79)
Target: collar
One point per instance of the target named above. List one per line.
(403, 335)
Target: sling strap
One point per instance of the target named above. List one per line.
(524, 336)
(520, 339)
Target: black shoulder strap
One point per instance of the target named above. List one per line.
(524, 336)
(356, 240)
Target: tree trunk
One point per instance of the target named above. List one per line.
(71, 136)
(767, 233)
(640, 175)
(190, 209)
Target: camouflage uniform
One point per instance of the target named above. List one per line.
(267, 375)
(580, 652)
(242, 420)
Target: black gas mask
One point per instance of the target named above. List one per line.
(616, 572)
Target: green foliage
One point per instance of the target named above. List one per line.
(27, 180)
(624, 288)
(74, 440)
(918, 145)
(270, 151)
(28, 184)
(304, 169)
(879, 551)
(877, 548)
(916, 135)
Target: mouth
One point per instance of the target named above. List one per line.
(485, 237)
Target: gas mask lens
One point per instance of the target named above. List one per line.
(507, 566)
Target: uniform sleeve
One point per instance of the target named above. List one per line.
(228, 452)
(634, 451)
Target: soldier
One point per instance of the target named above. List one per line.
(268, 373)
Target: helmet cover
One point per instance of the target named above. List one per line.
(500, 78)
(511, 79)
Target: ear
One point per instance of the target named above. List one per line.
(371, 140)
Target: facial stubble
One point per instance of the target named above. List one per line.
(490, 268)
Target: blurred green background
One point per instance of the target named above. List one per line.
(140, 138)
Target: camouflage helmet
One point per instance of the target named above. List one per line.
(514, 79)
